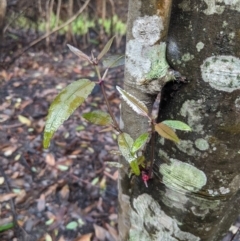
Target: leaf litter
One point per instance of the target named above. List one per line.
(51, 189)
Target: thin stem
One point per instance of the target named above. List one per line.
(98, 72)
(105, 73)
(101, 83)
(152, 150)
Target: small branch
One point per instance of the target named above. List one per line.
(53, 31)
(14, 213)
(152, 150)
(108, 106)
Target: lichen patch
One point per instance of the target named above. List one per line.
(147, 215)
(199, 46)
(218, 6)
(222, 72)
(201, 144)
(182, 176)
(191, 109)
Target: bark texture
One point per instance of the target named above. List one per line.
(194, 194)
(3, 7)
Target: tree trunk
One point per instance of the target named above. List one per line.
(194, 193)
(3, 7)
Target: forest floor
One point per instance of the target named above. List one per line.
(66, 192)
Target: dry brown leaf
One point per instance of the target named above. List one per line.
(64, 193)
(51, 190)
(50, 159)
(41, 203)
(21, 196)
(4, 221)
(7, 196)
(8, 151)
(112, 231)
(4, 117)
(85, 237)
(61, 239)
(100, 232)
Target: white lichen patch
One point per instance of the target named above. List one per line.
(146, 60)
(218, 7)
(147, 215)
(186, 146)
(199, 46)
(191, 109)
(224, 190)
(213, 7)
(222, 72)
(225, 24)
(187, 57)
(146, 30)
(237, 103)
(201, 144)
(235, 183)
(185, 5)
(182, 176)
(173, 198)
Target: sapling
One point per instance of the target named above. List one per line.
(70, 98)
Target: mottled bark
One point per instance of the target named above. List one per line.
(194, 194)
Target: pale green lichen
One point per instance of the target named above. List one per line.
(225, 24)
(201, 144)
(200, 46)
(222, 72)
(186, 146)
(150, 223)
(191, 109)
(182, 176)
(185, 5)
(187, 57)
(145, 58)
(163, 154)
(159, 65)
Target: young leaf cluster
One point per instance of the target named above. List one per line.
(69, 99)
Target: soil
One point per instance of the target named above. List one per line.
(65, 192)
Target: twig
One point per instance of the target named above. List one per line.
(53, 31)
(108, 106)
(14, 213)
(152, 151)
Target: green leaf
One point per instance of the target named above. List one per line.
(6, 226)
(79, 53)
(62, 167)
(139, 142)
(138, 106)
(64, 105)
(95, 181)
(98, 117)
(178, 125)
(72, 225)
(113, 61)
(166, 132)
(106, 48)
(50, 221)
(135, 167)
(125, 143)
